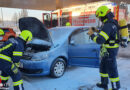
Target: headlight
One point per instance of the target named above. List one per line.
(39, 56)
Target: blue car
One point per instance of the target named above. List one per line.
(59, 48)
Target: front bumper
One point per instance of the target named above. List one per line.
(34, 68)
(31, 71)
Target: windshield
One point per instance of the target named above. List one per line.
(59, 34)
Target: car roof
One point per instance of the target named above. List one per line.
(66, 30)
(71, 28)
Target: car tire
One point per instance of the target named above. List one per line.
(58, 68)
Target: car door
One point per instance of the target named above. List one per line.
(82, 50)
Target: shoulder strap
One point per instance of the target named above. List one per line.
(124, 27)
(118, 29)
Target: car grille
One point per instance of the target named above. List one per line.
(26, 57)
(31, 71)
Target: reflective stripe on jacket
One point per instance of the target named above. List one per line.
(12, 50)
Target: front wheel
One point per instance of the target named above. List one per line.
(58, 68)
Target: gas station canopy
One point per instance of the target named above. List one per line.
(48, 4)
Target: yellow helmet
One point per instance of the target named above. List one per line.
(68, 24)
(26, 35)
(1, 32)
(102, 11)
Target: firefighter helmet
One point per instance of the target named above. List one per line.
(26, 35)
(102, 11)
(1, 32)
(68, 24)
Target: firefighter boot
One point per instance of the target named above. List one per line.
(4, 86)
(113, 89)
(104, 86)
(115, 85)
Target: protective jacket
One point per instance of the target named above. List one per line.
(12, 50)
(108, 34)
(10, 54)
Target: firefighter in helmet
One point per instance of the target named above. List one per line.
(108, 39)
(10, 54)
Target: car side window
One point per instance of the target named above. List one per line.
(81, 38)
(5, 30)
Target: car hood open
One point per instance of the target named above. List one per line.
(41, 38)
(37, 28)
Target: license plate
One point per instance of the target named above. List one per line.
(21, 65)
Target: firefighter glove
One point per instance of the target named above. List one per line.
(95, 30)
(17, 64)
(90, 31)
(124, 44)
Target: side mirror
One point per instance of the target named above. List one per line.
(72, 42)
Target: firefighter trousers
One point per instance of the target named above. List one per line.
(10, 70)
(108, 69)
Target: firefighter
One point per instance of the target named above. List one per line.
(10, 54)
(108, 38)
